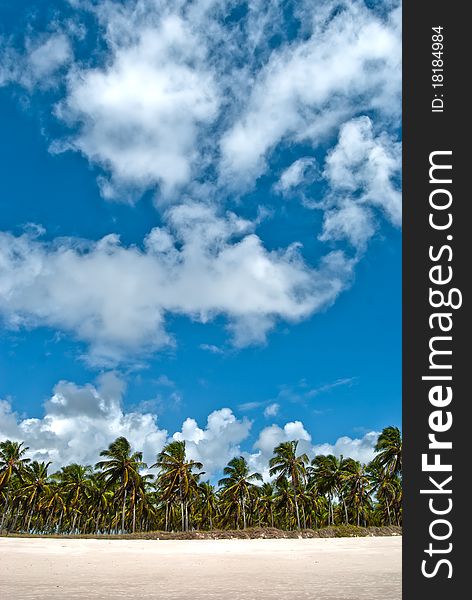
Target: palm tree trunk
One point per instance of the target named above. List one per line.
(5, 507)
(97, 520)
(125, 493)
(29, 521)
(304, 517)
(182, 512)
(73, 522)
(46, 525)
(244, 511)
(296, 503)
(345, 508)
(13, 527)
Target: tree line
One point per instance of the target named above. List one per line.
(120, 495)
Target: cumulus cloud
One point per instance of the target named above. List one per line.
(272, 436)
(80, 421)
(218, 442)
(116, 298)
(139, 115)
(363, 172)
(361, 449)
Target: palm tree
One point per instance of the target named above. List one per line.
(74, 480)
(122, 468)
(78, 499)
(12, 463)
(177, 477)
(237, 485)
(266, 503)
(329, 473)
(284, 504)
(358, 482)
(286, 463)
(389, 449)
(54, 504)
(36, 484)
(316, 502)
(99, 498)
(208, 503)
(387, 489)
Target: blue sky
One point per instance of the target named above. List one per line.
(199, 226)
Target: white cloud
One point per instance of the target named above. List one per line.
(80, 421)
(361, 449)
(49, 56)
(218, 443)
(348, 221)
(247, 406)
(272, 436)
(38, 64)
(302, 171)
(139, 115)
(177, 94)
(271, 410)
(363, 172)
(211, 348)
(177, 88)
(350, 62)
(304, 393)
(116, 298)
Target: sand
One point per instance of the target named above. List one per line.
(316, 569)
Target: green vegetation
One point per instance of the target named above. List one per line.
(120, 495)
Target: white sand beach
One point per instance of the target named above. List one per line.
(321, 569)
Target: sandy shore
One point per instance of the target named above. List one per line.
(321, 569)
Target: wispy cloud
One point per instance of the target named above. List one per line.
(38, 63)
(347, 381)
(303, 392)
(245, 406)
(271, 410)
(211, 348)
